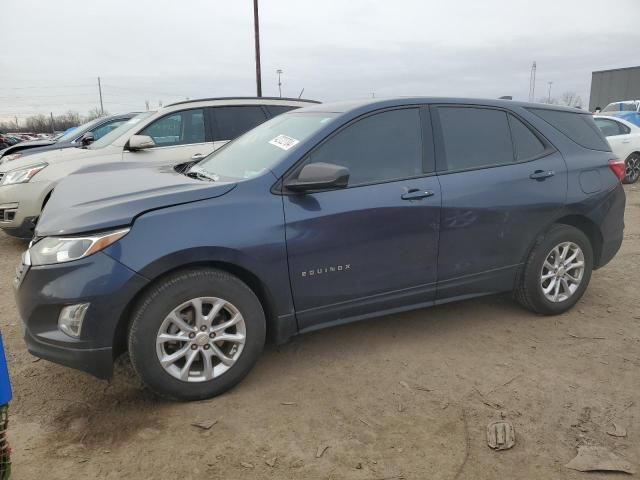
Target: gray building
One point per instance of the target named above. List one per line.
(612, 85)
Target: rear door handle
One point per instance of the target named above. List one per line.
(416, 194)
(542, 174)
(198, 156)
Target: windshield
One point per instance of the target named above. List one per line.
(621, 107)
(72, 132)
(260, 149)
(118, 132)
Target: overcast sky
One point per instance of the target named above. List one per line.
(52, 51)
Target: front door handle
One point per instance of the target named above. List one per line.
(542, 174)
(198, 156)
(416, 194)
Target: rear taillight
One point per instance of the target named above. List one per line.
(618, 168)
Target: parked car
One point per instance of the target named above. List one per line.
(182, 132)
(624, 138)
(628, 110)
(75, 137)
(321, 216)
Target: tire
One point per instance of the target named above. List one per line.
(529, 290)
(155, 315)
(632, 168)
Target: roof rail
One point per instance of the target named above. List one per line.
(242, 98)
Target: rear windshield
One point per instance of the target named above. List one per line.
(579, 127)
(621, 107)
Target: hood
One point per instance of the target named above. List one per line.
(18, 147)
(53, 156)
(112, 195)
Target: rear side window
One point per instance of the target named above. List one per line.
(611, 128)
(275, 110)
(231, 122)
(380, 148)
(475, 137)
(579, 127)
(525, 143)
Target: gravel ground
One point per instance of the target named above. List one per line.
(403, 396)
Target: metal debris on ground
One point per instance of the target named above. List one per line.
(501, 435)
(590, 459)
(205, 424)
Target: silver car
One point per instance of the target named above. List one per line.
(175, 134)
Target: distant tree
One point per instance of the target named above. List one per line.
(571, 99)
(95, 113)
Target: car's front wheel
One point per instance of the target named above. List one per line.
(557, 271)
(632, 168)
(196, 334)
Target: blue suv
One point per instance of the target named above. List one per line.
(321, 216)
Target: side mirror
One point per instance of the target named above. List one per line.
(319, 176)
(140, 142)
(87, 139)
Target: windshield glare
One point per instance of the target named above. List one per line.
(118, 132)
(262, 148)
(71, 134)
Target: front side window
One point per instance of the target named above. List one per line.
(231, 122)
(102, 130)
(379, 148)
(180, 128)
(475, 137)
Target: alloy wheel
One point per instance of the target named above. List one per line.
(632, 169)
(562, 272)
(201, 339)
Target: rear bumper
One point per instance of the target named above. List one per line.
(610, 217)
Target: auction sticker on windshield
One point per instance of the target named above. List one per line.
(284, 142)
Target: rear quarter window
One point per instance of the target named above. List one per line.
(579, 127)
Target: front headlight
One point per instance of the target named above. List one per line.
(13, 156)
(52, 250)
(22, 175)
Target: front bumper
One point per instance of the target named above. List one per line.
(42, 292)
(20, 205)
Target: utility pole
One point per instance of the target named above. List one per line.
(279, 72)
(100, 92)
(17, 124)
(532, 83)
(53, 125)
(549, 99)
(256, 31)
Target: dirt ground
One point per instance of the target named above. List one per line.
(404, 396)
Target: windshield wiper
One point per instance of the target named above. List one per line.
(200, 175)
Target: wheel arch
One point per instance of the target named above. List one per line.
(590, 229)
(249, 278)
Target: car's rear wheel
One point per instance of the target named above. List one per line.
(196, 334)
(557, 271)
(632, 168)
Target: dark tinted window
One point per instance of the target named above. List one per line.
(275, 110)
(231, 122)
(525, 142)
(611, 128)
(178, 128)
(475, 137)
(385, 146)
(579, 127)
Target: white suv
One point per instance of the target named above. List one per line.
(175, 134)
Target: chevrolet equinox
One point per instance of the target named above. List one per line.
(323, 215)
